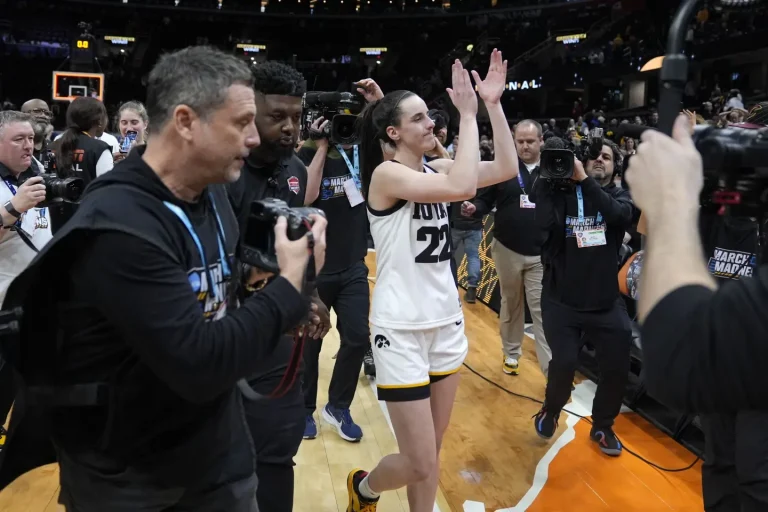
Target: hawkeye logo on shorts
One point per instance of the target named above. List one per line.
(381, 341)
(213, 308)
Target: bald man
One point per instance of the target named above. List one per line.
(43, 116)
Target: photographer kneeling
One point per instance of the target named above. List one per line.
(584, 216)
(125, 313)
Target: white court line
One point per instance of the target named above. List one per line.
(383, 405)
(582, 405)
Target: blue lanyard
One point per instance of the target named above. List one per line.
(580, 199)
(520, 180)
(220, 238)
(354, 169)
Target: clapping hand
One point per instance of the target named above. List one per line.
(462, 94)
(491, 89)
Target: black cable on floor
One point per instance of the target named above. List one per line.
(585, 418)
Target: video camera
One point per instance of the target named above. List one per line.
(557, 155)
(258, 245)
(340, 109)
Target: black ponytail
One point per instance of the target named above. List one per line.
(372, 130)
(83, 115)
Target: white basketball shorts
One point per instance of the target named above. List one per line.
(407, 362)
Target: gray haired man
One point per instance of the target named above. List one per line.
(144, 364)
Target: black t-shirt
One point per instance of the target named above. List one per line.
(731, 245)
(346, 237)
(286, 180)
(704, 351)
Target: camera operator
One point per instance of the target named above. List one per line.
(703, 347)
(343, 284)
(25, 228)
(516, 248)
(273, 170)
(133, 293)
(585, 219)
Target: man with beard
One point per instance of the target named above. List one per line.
(585, 221)
(42, 116)
(276, 417)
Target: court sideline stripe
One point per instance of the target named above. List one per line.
(579, 405)
(383, 405)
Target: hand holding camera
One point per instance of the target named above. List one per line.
(318, 132)
(579, 174)
(293, 255)
(29, 195)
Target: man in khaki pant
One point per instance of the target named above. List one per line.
(516, 249)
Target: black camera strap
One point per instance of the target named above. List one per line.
(24, 237)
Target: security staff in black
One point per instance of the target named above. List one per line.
(342, 285)
(164, 425)
(585, 221)
(272, 170)
(78, 153)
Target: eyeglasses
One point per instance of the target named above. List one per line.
(40, 111)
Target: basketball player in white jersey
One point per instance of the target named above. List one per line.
(417, 326)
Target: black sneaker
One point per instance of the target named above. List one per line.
(545, 423)
(368, 367)
(471, 296)
(607, 441)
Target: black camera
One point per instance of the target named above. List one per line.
(60, 189)
(557, 155)
(735, 169)
(340, 109)
(258, 245)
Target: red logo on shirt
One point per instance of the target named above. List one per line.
(293, 184)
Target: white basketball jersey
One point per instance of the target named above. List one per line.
(414, 287)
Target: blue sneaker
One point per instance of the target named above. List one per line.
(310, 428)
(342, 422)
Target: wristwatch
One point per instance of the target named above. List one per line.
(11, 210)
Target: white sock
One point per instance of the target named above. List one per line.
(365, 489)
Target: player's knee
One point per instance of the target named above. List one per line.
(422, 468)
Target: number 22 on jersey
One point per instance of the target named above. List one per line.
(437, 236)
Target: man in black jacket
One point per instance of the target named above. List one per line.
(585, 222)
(516, 249)
(273, 170)
(125, 324)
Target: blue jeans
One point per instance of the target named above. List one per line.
(471, 245)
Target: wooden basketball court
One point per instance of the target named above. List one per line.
(492, 459)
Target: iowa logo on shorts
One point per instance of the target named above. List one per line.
(381, 341)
